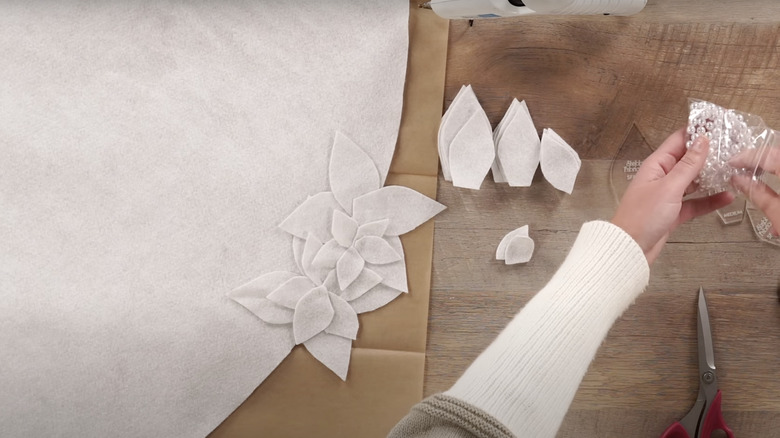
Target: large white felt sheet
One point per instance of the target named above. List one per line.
(148, 151)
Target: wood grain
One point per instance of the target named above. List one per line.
(606, 83)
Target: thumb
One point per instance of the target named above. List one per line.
(689, 166)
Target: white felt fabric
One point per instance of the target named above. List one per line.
(516, 247)
(517, 146)
(376, 250)
(560, 163)
(358, 173)
(447, 131)
(345, 321)
(501, 250)
(333, 351)
(148, 152)
(313, 314)
(405, 208)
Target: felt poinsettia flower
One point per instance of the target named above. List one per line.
(348, 251)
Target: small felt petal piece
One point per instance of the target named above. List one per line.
(405, 208)
(297, 248)
(519, 250)
(333, 351)
(365, 281)
(519, 148)
(328, 255)
(348, 267)
(344, 228)
(291, 291)
(498, 172)
(472, 152)
(310, 250)
(252, 296)
(451, 122)
(376, 250)
(345, 321)
(377, 297)
(352, 172)
(501, 250)
(313, 216)
(313, 314)
(330, 283)
(376, 228)
(393, 274)
(560, 163)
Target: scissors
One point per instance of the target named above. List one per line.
(705, 419)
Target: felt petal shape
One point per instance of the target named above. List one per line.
(330, 283)
(291, 291)
(560, 163)
(375, 298)
(352, 172)
(344, 228)
(310, 250)
(332, 351)
(376, 228)
(498, 172)
(252, 296)
(519, 148)
(313, 314)
(348, 267)
(405, 208)
(501, 250)
(297, 248)
(313, 216)
(451, 122)
(328, 255)
(519, 250)
(345, 321)
(472, 152)
(365, 281)
(376, 250)
(393, 274)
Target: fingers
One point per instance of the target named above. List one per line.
(749, 159)
(700, 206)
(761, 196)
(667, 155)
(689, 166)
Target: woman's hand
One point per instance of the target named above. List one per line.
(761, 195)
(653, 206)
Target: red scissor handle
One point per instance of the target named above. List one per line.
(676, 430)
(714, 420)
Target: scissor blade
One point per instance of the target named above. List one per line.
(706, 351)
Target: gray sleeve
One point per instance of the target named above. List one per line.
(442, 416)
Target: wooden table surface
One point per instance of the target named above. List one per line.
(610, 85)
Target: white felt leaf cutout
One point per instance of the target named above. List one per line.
(349, 267)
(376, 228)
(405, 208)
(560, 163)
(313, 314)
(375, 298)
(352, 172)
(455, 116)
(333, 351)
(328, 256)
(393, 274)
(310, 250)
(376, 250)
(472, 152)
(519, 147)
(297, 248)
(362, 284)
(345, 321)
(312, 217)
(344, 228)
(252, 296)
(516, 247)
(291, 291)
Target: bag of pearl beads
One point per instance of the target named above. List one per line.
(734, 134)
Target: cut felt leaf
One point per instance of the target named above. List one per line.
(501, 250)
(453, 119)
(345, 321)
(313, 217)
(405, 208)
(376, 250)
(560, 163)
(313, 314)
(393, 274)
(332, 351)
(271, 312)
(472, 152)
(297, 248)
(344, 228)
(375, 298)
(519, 250)
(310, 250)
(349, 267)
(376, 228)
(352, 172)
(252, 296)
(519, 147)
(362, 284)
(291, 291)
(328, 255)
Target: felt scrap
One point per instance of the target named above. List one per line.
(515, 247)
(313, 313)
(518, 146)
(560, 163)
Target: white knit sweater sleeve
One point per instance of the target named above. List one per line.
(528, 376)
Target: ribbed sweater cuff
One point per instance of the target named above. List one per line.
(528, 376)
